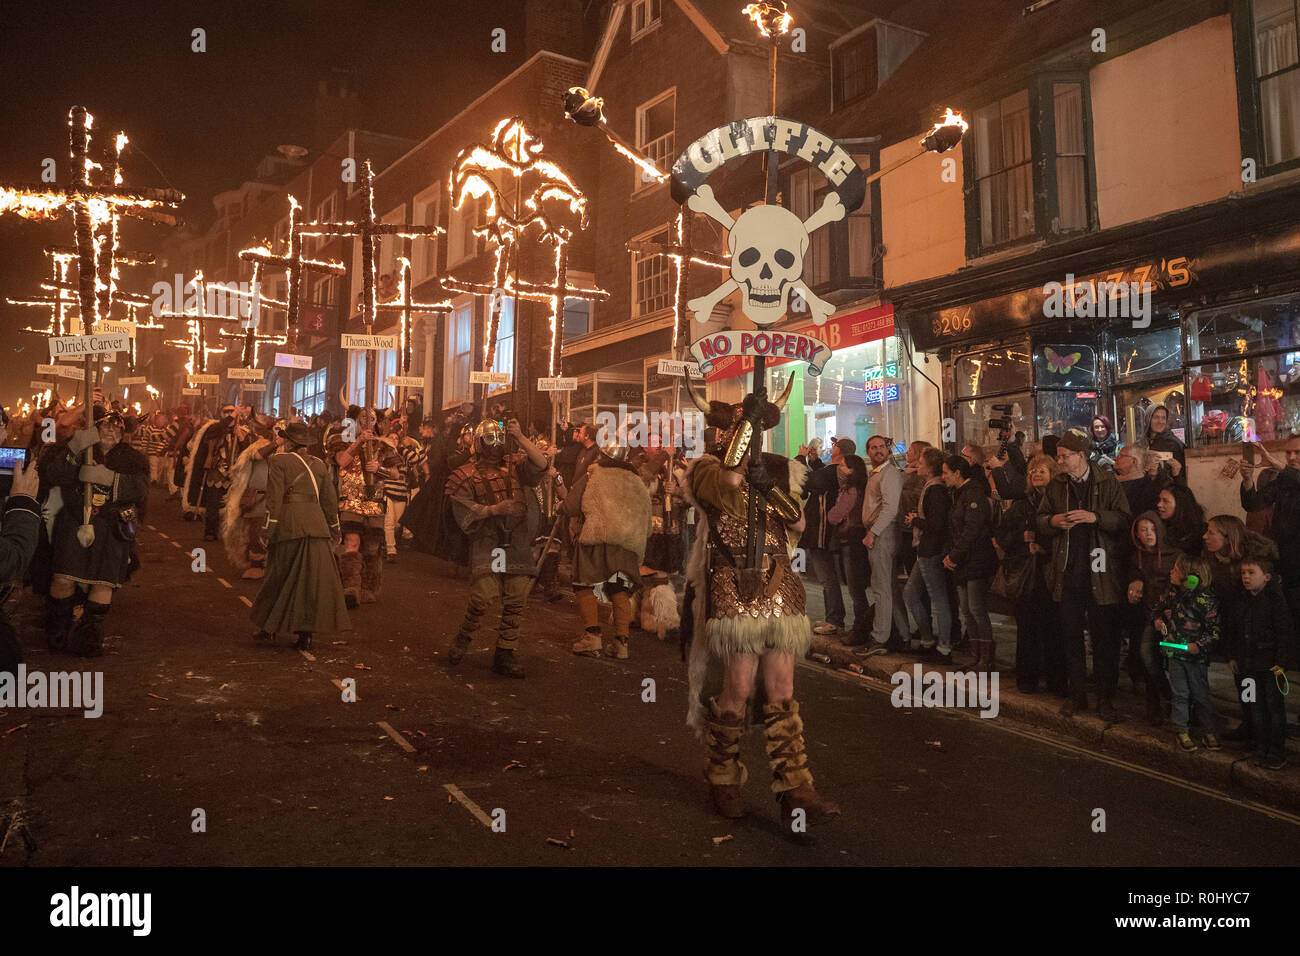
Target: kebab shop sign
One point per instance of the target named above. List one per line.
(727, 354)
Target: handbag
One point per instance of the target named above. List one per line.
(1014, 585)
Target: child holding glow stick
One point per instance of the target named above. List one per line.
(1186, 619)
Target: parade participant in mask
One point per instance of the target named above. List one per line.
(361, 505)
(94, 557)
(745, 608)
(493, 500)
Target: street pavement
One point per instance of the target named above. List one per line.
(285, 772)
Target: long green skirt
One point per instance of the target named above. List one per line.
(301, 590)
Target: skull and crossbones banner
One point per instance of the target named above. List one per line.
(781, 345)
(767, 242)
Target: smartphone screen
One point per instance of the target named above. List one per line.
(12, 459)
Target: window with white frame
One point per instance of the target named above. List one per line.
(504, 359)
(424, 252)
(357, 365)
(387, 364)
(652, 278)
(1276, 45)
(276, 410)
(808, 189)
(1004, 169)
(645, 15)
(656, 121)
(323, 292)
(460, 344)
(325, 209)
(309, 393)
(389, 246)
(462, 244)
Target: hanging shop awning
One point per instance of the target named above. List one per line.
(840, 332)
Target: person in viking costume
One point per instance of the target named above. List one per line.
(493, 500)
(361, 469)
(745, 606)
(243, 516)
(301, 592)
(609, 518)
(95, 554)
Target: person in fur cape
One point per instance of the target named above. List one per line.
(747, 624)
(192, 483)
(97, 556)
(609, 519)
(244, 513)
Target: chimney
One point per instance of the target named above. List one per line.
(555, 25)
(336, 107)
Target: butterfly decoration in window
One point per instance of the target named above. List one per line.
(1061, 364)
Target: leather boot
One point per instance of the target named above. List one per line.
(87, 637)
(792, 781)
(991, 656)
(350, 573)
(726, 774)
(59, 620)
(456, 653)
(504, 663)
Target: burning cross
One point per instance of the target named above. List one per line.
(58, 303)
(515, 151)
(768, 244)
(197, 343)
(368, 229)
(252, 339)
(294, 265)
(683, 253)
(405, 308)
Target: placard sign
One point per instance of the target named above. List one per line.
(489, 378)
(133, 380)
(83, 346)
(289, 360)
(405, 381)
(678, 369)
(245, 374)
(253, 387)
(785, 345)
(557, 384)
(40, 386)
(204, 379)
(367, 343)
(191, 391)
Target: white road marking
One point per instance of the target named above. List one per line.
(175, 545)
(224, 582)
(469, 805)
(164, 534)
(245, 600)
(401, 741)
(306, 654)
(339, 684)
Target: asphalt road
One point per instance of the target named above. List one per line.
(197, 717)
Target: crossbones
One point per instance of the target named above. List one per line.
(768, 244)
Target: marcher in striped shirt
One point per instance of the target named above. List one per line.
(397, 482)
(150, 439)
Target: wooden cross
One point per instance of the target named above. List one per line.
(405, 309)
(58, 302)
(295, 264)
(196, 344)
(251, 339)
(368, 230)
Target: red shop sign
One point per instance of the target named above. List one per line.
(845, 331)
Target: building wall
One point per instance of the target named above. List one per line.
(1176, 145)
(923, 218)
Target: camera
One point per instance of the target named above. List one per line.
(1002, 425)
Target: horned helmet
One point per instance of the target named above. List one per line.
(735, 430)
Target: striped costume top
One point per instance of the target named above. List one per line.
(414, 454)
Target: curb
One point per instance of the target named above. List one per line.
(1130, 738)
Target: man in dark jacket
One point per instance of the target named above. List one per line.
(1282, 494)
(18, 531)
(1082, 513)
(821, 489)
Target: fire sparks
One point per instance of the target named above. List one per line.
(772, 19)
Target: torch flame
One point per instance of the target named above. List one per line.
(772, 19)
(946, 133)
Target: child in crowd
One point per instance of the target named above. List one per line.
(1151, 561)
(1187, 620)
(1261, 651)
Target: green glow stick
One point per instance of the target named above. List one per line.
(1181, 647)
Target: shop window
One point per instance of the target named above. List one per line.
(1134, 404)
(1149, 354)
(1246, 400)
(1065, 366)
(1059, 411)
(992, 372)
(974, 417)
(1262, 326)
(1277, 79)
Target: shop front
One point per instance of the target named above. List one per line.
(1216, 342)
(863, 389)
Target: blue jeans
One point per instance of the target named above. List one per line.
(973, 602)
(928, 577)
(1191, 683)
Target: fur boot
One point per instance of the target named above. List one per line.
(792, 781)
(350, 573)
(372, 569)
(87, 638)
(725, 773)
(60, 618)
(659, 611)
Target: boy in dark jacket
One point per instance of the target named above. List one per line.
(1187, 619)
(1261, 648)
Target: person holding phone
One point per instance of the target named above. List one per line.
(19, 526)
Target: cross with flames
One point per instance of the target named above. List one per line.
(251, 340)
(406, 308)
(516, 153)
(369, 230)
(196, 343)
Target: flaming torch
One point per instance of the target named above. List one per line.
(587, 110)
(943, 136)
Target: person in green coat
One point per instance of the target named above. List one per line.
(301, 591)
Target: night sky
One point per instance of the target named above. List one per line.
(201, 121)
